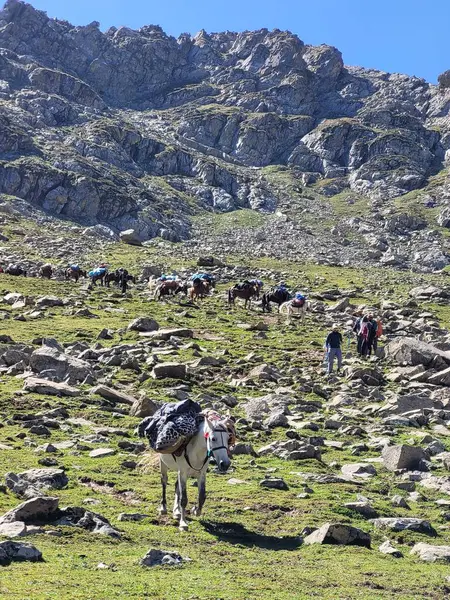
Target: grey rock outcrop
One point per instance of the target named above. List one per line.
(88, 135)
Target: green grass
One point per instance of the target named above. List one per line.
(245, 545)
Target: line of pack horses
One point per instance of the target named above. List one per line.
(194, 289)
(287, 303)
(248, 291)
(47, 271)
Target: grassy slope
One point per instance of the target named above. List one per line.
(253, 562)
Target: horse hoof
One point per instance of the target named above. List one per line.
(162, 511)
(176, 516)
(183, 527)
(196, 512)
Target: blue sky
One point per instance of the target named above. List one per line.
(406, 36)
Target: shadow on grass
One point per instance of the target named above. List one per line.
(235, 533)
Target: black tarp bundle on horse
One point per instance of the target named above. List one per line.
(171, 425)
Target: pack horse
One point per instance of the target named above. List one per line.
(188, 455)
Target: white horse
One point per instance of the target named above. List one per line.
(294, 311)
(213, 439)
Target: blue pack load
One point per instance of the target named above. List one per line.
(97, 272)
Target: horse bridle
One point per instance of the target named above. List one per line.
(210, 451)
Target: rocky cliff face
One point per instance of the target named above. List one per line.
(139, 129)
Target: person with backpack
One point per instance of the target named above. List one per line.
(372, 335)
(333, 345)
(356, 328)
(363, 335)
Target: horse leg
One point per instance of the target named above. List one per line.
(176, 502)
(182, 479)
(201, 480)
(163, 506)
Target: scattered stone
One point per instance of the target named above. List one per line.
(102, 452)
(143, 324)
(274, 483)
(52, 388)
(339, 533)
(405, 523)
(155, 558)
(430, 553)
(402, 457)
(17, 551)
(387, 548)
(169, 370)
(111, 394)
(35, 481)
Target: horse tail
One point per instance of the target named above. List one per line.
(149, 462)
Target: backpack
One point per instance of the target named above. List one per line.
(379, 331)
(299, 300)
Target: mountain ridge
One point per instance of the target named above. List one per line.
(138, 129)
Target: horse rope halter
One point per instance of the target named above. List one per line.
(226, 427)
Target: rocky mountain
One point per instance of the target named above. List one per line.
(137, 129)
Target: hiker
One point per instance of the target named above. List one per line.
(363, 336)
(123, 280)
(333, 345)
(356, 330)
(375, 332)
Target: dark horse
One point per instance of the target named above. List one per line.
(46, 271)
(276, 295)
(245, 291)
(98, 276)
(71, 273)
(15, 270)
(116, 277)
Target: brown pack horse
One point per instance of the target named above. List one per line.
(246, 292)
(199, 289)
(168, 288)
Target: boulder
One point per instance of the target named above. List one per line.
(101, 231)
(144, 407)
(339, 533)
(42, 508)
(33, 482)
(15, 551)
(169, 370)
(75, 516)
(51, 388)
(404, 523)
(411, 351)
(13, 530)
(430, 553)
(167, 333)
(209, 261)
(155, 558)
(359, 470)
(131, 237)
(65, 367)
(440, 378)
(46, 301)
(368, 375)
(113, 395)
(402, 457)
(143, 324)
